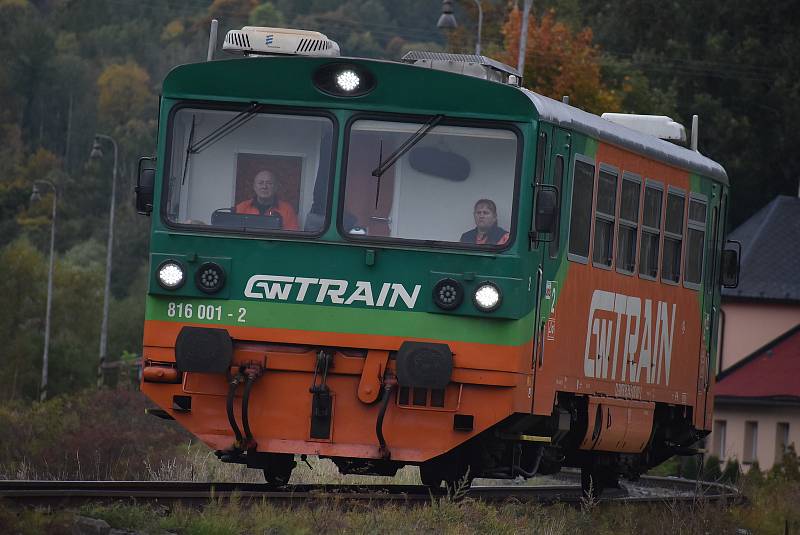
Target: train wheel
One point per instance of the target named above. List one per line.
(279, 468)
(431, 476)
(594, 480)
(456, 475)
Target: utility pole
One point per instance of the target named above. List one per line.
(35, 196)
(97, 153)
(523, 37)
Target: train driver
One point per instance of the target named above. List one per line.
(486, 231)
(265, 201)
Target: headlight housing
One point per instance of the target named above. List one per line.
(209, 278)
(448, 294)
(171, 275)
(344, 79)
(487, 297)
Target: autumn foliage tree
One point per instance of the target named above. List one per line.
(124, 93)
(559, 62)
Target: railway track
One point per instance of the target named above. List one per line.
(70, 493)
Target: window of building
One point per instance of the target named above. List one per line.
(628, 223)
(695, 239)
(605, 217)
(718, 446)
(651, 230)
(781, 441)
(558, 181)
(750, 453)
(580, 223)
(673, 237)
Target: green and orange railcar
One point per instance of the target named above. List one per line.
(376, 332)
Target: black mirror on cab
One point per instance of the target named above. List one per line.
(145, 183)
(729, 265)
(546, 210)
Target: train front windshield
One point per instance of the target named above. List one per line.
(248, 171)
(454, 185)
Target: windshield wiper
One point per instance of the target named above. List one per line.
(226, 128)
(188, 151)
(406, 146)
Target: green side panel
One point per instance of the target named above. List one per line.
(316, 318)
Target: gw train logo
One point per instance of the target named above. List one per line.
(651, 342)
(335, 291)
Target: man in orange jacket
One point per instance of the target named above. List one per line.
(266, 201)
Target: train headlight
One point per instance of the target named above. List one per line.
(348, 80)
(171, 275)
(209, 278)
(487, 297)
(448, 294)
(341, 79)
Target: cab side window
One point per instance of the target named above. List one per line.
(673, 237)
(695, 239)
(628, 223)
(651, 230)
(605, 213)
(580, 223)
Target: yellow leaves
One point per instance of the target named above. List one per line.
(124, 93)
(173, 30)
(559, 62)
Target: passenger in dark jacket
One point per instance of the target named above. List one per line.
(486, 231)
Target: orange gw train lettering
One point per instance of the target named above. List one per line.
(646, 344)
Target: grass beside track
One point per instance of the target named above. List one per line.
(106, 436)
(437, 516)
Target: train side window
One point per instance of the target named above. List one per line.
(541, 155)
(628, 223)
(695, 240)
(580, 221)
(651, 230)
(605, 216)
(673, 236)
(558, 181)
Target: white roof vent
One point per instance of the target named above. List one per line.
(659, 126)
(471, 65)
(259, 41)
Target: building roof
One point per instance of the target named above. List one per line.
(770, 263)
(771, 373)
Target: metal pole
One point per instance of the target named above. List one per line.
(480, 24)
(45, 354)
(212, 39)
(109, 249)
(523, 37)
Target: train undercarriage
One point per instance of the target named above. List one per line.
(519, 445)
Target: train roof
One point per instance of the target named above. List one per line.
(572, 118)
(214, 80)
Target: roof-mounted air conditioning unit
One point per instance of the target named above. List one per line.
(260, 41)
(659, 126)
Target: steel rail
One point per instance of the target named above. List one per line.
(77, 492)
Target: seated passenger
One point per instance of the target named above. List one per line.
(486, 231)
(266, 201)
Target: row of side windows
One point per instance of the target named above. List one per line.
(634, 219)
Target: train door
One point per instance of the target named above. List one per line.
(711, 295)
(552, 170)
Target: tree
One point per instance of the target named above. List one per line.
(734, 64)
(124, 94)
(267, 15)
(559, 62)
